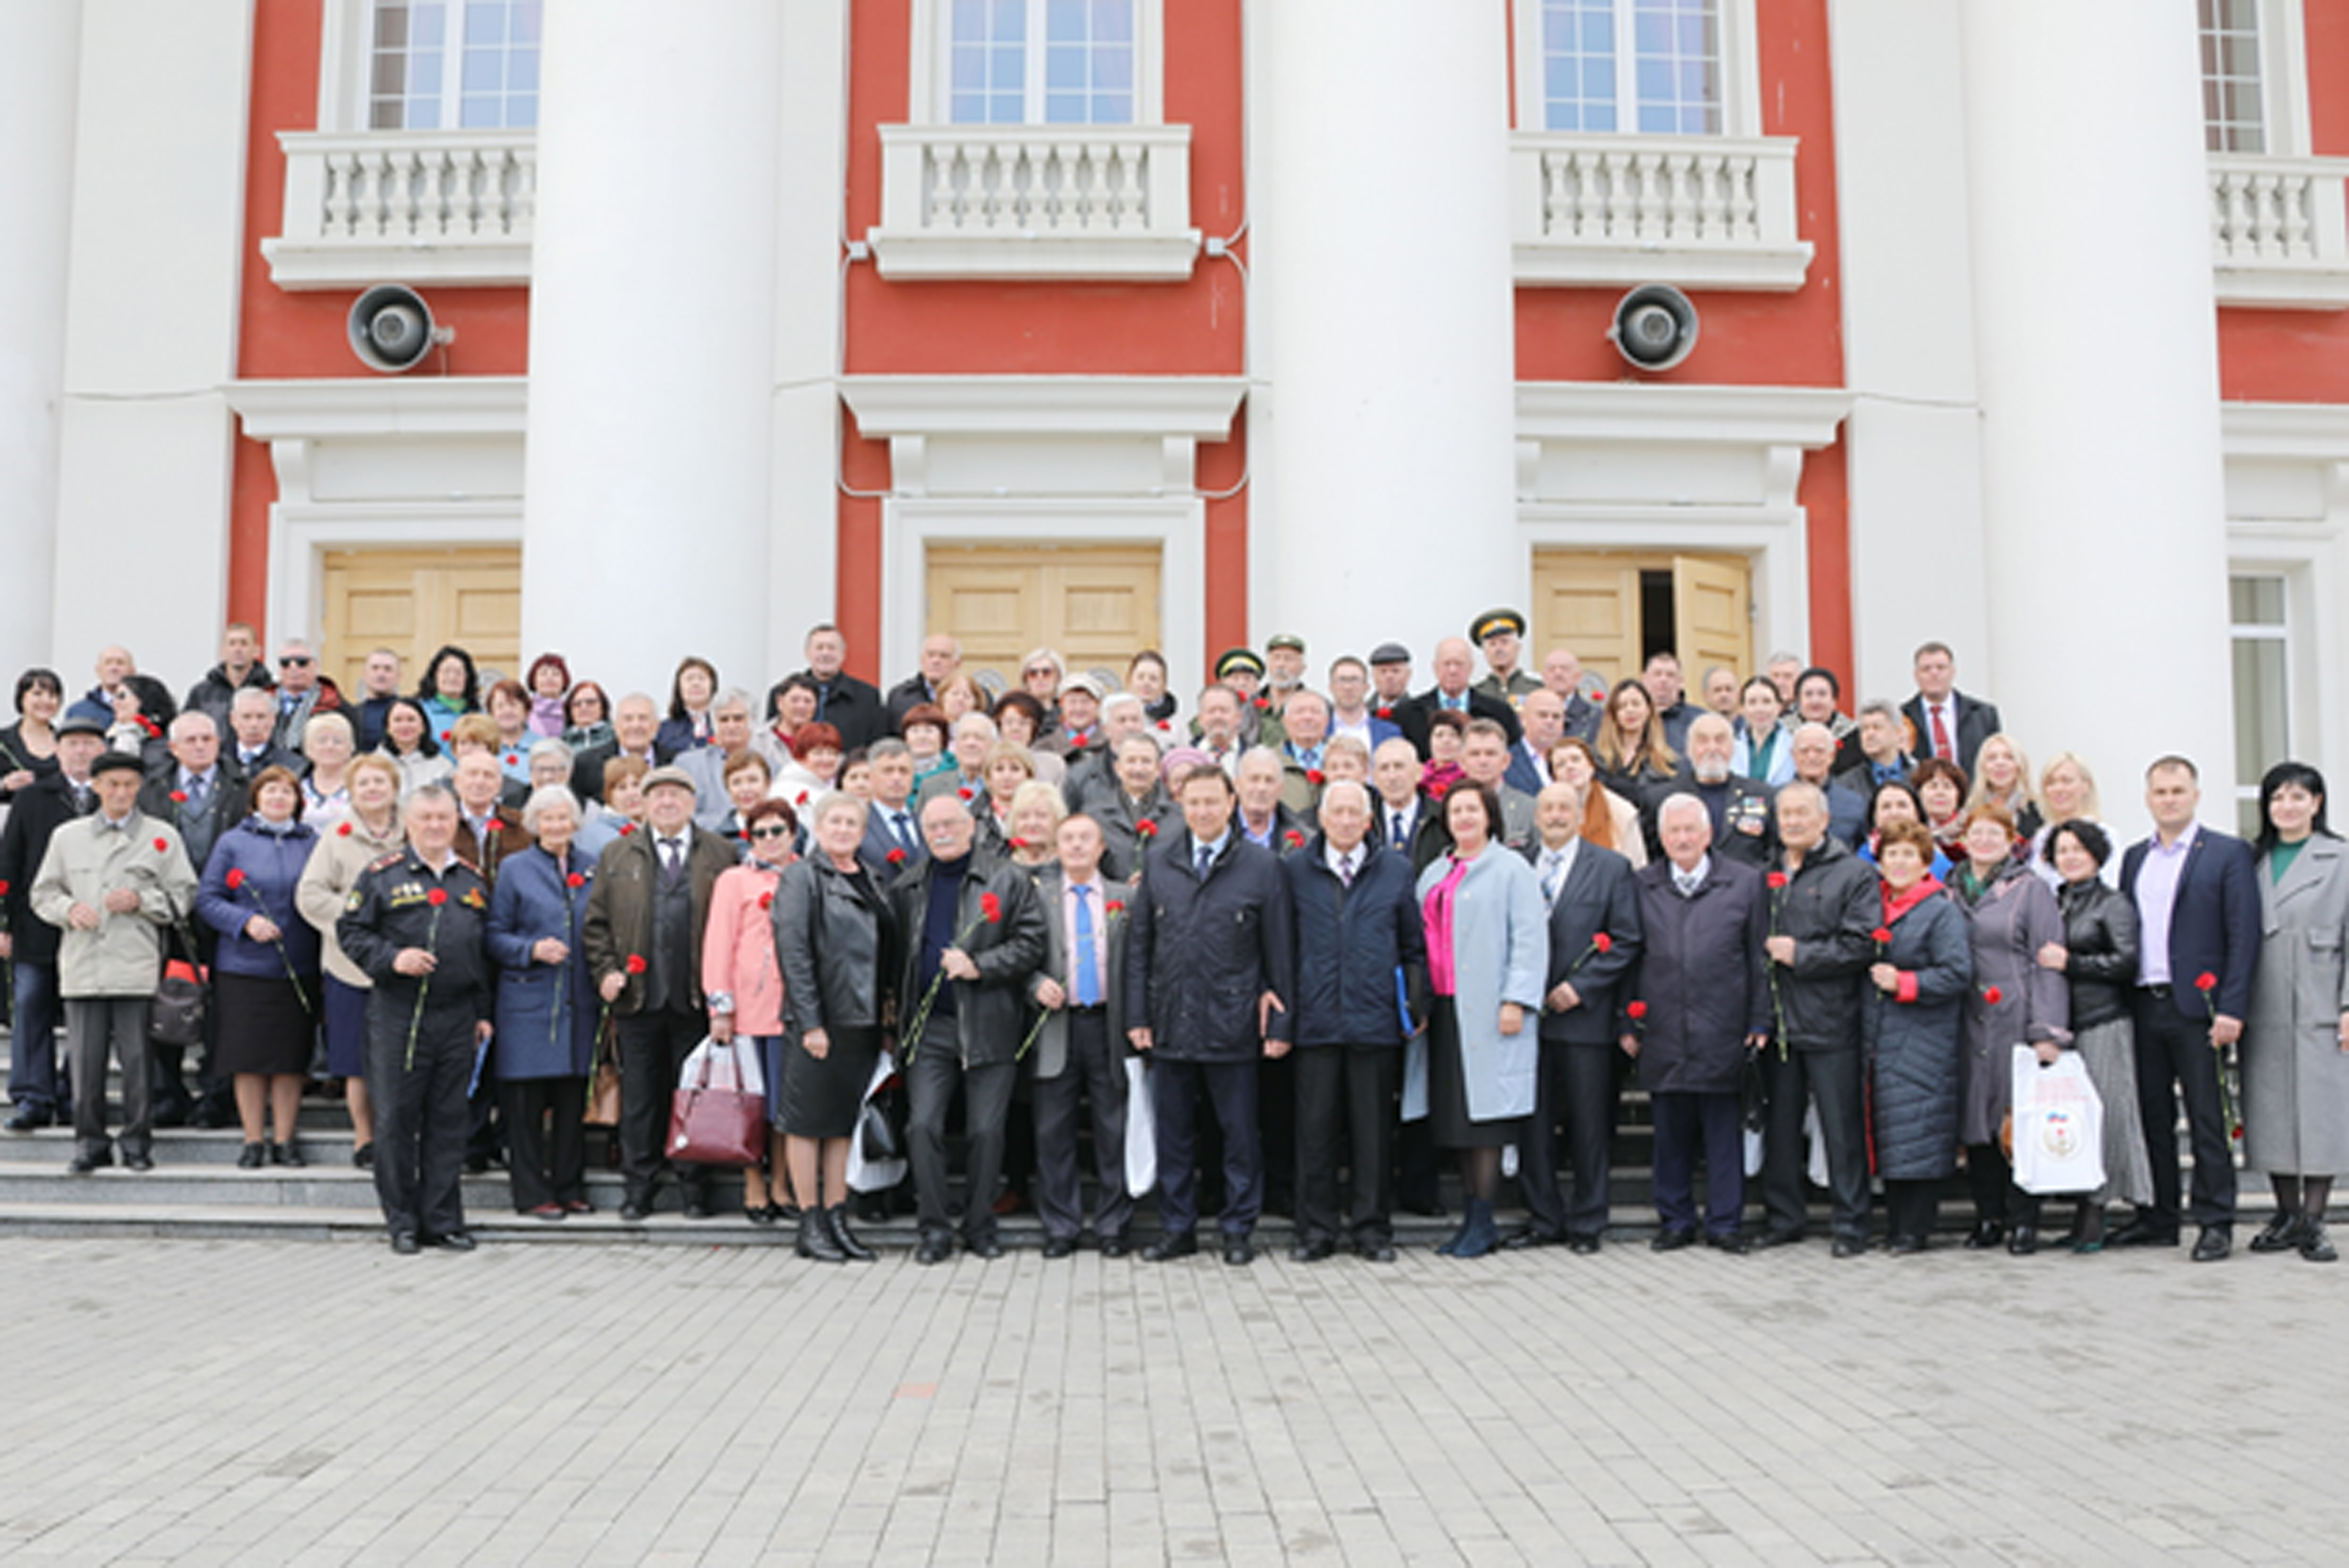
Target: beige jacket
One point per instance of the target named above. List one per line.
(87, 861)
(343, 851)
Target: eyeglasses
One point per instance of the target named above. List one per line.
(771, 830)
(286, 660)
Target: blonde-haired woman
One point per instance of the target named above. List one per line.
(2068, 793)
(367, 831)
(1037, 812)
(2002, 778)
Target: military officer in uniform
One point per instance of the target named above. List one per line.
(416, 922)
(1501, 634)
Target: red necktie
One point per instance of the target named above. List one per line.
(1942, 736)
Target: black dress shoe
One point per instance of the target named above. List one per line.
(2023, 1242)
(83, 1164)
(1238, 1251)
(2281, 1234)
(1849, 1247)
(1313, 1250)
(455, 1241)
(2140, 1233)
(2215, 1242)
(285, 1154)
(1116, 1245)
(1582, 1245)
(1057, 1247)
(252, 1156)
(1986, 1234)
(934, 1249)
(1904, 1246)
(1671, 1241)
(636, 1211)
(1167, 1249)
(1529, 1237)
(988, 1249)
(1730, 1242)
(27, 1120)
(405, 1244)
(142, 1161)
(2313, 1246)
(1375, 1251)
(1774, 1238)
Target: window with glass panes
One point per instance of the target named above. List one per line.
(2233, 112)
(449, 65)
(2262, 635)
(1040, 61)
(1649, 65)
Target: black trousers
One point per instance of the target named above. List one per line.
(930, 1084)
(1346, 1115)
(550, 1141)
(1833, 1078)
(1574, 1084)
(2175, 1061)
(485, 1133)
(1092, 1077)
(1685, 1123)
(1909, 1207)
(653, 1048)
(1990, 1178)
(1275, 1102)
(1229, 1088)
(419, 1116)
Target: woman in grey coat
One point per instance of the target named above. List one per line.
(1924, 964)
(2013, 999)
(2295, 1047)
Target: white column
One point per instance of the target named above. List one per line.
(40, 51)
(1379, 213)
(2104, 508)
(652, 339)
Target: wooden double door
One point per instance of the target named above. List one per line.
(1095, 605)
(1615, 609)
(415, 600)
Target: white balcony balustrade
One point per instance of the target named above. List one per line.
(421, 206)
(2280, 231)
(1035, 201)
(1703, 212)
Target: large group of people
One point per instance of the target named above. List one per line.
(1286, 952)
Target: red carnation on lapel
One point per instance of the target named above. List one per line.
(437, 897)
(635, 963)
(1114, 908)
(1315, 776)
(1264, 703)
(1292, 838)
(179, 796)
(149, 726)
(1601, 941)
(1015, 843)
(1382, 713)
(3, 888)
(800, 798)
(964, 791)
(1166, 724)
(626, 828)
(1881, 934)
(344, 831)
(1993, 995)
(1146, 828)
(162, 846)
(896, 857)
(990, 908)
(575, 880)
(766, 900)
(444, 737)
(235, 878)
(1636, 1010)
(512, 761)
(1778, 880)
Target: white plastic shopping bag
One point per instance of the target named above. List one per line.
(873, 1175)
(2059, 1125)
(1141, 1130)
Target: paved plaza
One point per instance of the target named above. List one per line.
(250, 1402)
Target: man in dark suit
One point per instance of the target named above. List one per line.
(200, 797)
(1813, 746)
(1404, 820)
(1594, 940)
(1079, 1052)
(39, 1094)
(1669, 692)
(941, 658)
(1120, 797)
(1876, 752)
(1542, 712)
(1947, 723)
(1455, 661)
(1484, 759)
(850, 705)
(2199, 921)
(892, 836)
(1210, 955)
(252, 745)
(636, 727)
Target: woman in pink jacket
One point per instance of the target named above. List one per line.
(745, 986)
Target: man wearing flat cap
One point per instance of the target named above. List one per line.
(1284, 672)
(1501, 634)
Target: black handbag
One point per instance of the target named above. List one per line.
(176, 1015)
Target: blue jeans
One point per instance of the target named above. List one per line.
(33, 1081)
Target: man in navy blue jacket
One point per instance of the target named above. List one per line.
(2197, 911)
(1362, 954)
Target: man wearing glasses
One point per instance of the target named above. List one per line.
(301, 692)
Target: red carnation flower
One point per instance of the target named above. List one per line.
(990, 908)
(1314, 777)
(800, 798)
(964, 791)
(1636, 1010)
(1993, 995)
(1015, 843)
(344, 831)
(1146, 828)
(744, 835)
(766, 901)
(444, 737)
(896, 857)
(162, 846)
(1882, 933)
(1604, 942)
(3, 888)
(437, 897)
(575, 880)
(1292, 838)
(1382, 713)
(636, 964)
(235, 878)
(1166, 724)
(626, 828)
(1264, 702)
(179, 796)
(2206, 981)
(1115, 906)
(1778, 880)
(149, 726)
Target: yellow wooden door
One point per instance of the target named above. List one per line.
(415, 600)
(1095, 605)
(1590, 601)
(1710, 600)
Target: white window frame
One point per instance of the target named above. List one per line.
(346, 71)
(931, 82)
(2282, 634)
(2283, 80)
(1741, 73)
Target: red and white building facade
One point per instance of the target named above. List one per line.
(2023, 326)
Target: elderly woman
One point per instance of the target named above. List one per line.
(962, 695)
(1145, 677)
(586, 716)
(623, 811)
(1037, 812)
(747, 783)
(1040, 674)
(367, 831)
(1019, 719)
(1923, 969)
(1004, 768)
(1818, 700)
(550, 763)
(1487, 958)
(835, 946)
(547, 1011)
(813, 767)
(2068, 791)
(2295, 1047)
(1608, 821)
(2002, 774)
(328, 743)
(266, 966)
(408, 743)
(548, 682)
(744, 982)
(2097, 956)
(1447, 738)
(2013, 999)
(925, 730)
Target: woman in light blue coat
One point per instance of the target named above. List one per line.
(547, 1009)
(1487, 957)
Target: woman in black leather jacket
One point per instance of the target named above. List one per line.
(835, 943)
(2097, 958)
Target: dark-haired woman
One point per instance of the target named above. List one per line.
(2295, 1047)
(1942, 786)
(407, 742)
(28, 747)
(1895, 800)
(690, 693)
(265, 967)
(1923, 968)
(549, 684)
(2097, 958)
(451, 689)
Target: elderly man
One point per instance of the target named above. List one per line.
(198, 796)
(971, 934)
(1542, 712)
(111, 883)
(1079, 733)
(1784, 668)
(941, 659)
(1594, 940)
(1357, 928)
(1264, 819)
(1222, 728)
(1306, 717)
(635, 728)
(1408, 823)
(1121, 713)
(646, 917)
(1120, 803)
(1080, 1054)
(1823, 908)
(418, 925)
(1455, 662)
(729, 733)
(252, 731)
(1210, 955)
(1740, 808)
(302, 690)
(1814, 750)
(1501, 634)
(1284, 672)
(1700, 982)
(380, 678)
(240, 667)
(965, 780)
(115, 667)
(29, 944)
(1390, 682)
(1947, 723)
(1562, 673)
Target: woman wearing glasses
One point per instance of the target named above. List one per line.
(740, 976)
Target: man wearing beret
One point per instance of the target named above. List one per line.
(1501, 634)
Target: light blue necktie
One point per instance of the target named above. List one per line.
(1088, 961)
